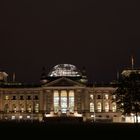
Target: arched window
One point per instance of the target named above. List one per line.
(91, 96)
(114, 107)
(91, 107)
(99, 107)
(71, 101)
(106, 107)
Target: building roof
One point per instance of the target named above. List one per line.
(3, 76)
(130, 71)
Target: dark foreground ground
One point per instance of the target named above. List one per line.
(64, 130)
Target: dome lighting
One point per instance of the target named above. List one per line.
(64, 70)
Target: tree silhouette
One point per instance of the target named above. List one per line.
(128, 93)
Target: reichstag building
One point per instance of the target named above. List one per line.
(63, 92)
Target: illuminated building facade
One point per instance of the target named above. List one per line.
(62, 92)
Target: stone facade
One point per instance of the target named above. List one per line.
(62, 96)
(38, 102)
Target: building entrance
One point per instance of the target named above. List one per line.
(63, 101)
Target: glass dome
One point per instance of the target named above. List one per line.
(64, 70)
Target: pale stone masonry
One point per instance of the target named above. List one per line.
(65, 95)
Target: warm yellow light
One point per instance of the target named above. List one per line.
(20, 117)
(13, 117)
(28, 117)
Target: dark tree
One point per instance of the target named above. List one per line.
(128, 93)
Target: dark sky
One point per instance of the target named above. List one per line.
(98, 34)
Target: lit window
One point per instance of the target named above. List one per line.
(113, 96)
(14, 108)
(21, 108)
(99, 107)
(71, 101)
(29, 108)
(114, 107)
(6, 97)
(20, 117)
(106, 96)
(13, 117)
(91, 96)
(63, 101)
(91, 107)
(106, 107)
(36, 107)
(28, 117)
(56, 101)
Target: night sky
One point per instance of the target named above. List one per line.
(98, 34)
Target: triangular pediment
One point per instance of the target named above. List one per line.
(63, 82)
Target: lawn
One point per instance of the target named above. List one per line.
(70, 130)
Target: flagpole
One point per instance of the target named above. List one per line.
(132, 62)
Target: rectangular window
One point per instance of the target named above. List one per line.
(91, 107)
(56, 101)
(36, 97)
(63, 101)
(6, 97)
(29, 97)
(114, 107)
(106, 96)
(99, 97)
(114, 97)
(36, 108)
(21, 98)
(106, 107)
(71, 101)
(14, 98)
(29, 108)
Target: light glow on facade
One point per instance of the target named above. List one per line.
(63, 94)
(71, 101)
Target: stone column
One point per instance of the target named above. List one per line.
(68, 112)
